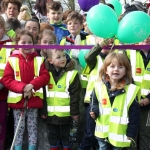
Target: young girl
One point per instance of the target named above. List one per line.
(114, 104)
(24, 76)
(47, 37)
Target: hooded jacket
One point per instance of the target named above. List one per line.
(74, 91)
(26, 66)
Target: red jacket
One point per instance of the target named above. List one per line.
(27, 76)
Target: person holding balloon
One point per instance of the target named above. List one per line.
(138, 32)
(94, 59)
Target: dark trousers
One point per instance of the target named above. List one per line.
(59, 133)
(144, 131)
(89, 139)
(3, 119)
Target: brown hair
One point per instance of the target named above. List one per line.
(16, 2)
(50, 52)
(75, 16)
(45, 26)
(66, 13)
(12, 24)
(49, 32)
(2, 22)
(54, 5)
(23, 32)
(122, 60)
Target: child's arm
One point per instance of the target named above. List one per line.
(42, 79)
(94, 112)
(10, 82)
(90, 57)
(134, 119)
(74, 91)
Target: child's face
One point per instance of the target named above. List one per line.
(47, 40)
(74, 27)
(58, 59)
(33, 28)
(55, 16)
(25, 40)
(2, 32)
(12, 10)
(115, 71)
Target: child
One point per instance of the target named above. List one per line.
(47, 37)
(12, 26)
(94, 60)
(62, 98)
(45, 25)
(114, 104)
(24, 74)
(4, 53)
(55, 13)
(3, 37)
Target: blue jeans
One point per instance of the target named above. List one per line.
(103, 145)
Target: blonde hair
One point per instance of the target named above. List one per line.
(26, 13)
(2, 22)
(123, 61)
(45, 26)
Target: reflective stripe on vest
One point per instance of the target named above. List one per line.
(92, 78)
(113, 124)
(16, 97)
(58, 98)
(4, 54)
(141, 75)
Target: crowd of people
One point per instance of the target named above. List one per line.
(109, 98)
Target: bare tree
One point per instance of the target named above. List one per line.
(103, 1)
(68, 4)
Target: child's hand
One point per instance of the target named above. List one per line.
(28, 88)
(28, 94)
(106, 42)
(92, 115)
(144, 102)
(44, 116)
(129, 138)
(75, 117)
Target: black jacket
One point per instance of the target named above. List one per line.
(74, 91)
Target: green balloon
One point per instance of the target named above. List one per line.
(102, 21)
(117, 6)
(81, 58)
(134, 27)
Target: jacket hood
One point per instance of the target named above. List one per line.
(20, 56)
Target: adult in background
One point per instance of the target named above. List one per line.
(12, 8)
(41, 11)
